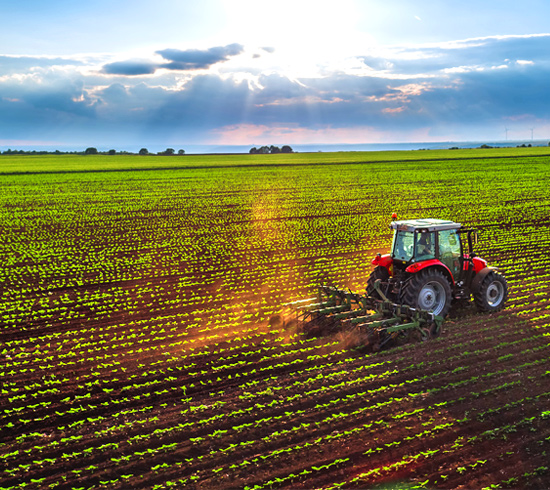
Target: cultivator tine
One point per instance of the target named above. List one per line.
(403, 327)
(378, 289)
(365, 319)
(386, 340)
(348, 315)
(374, 318)
(312, 307)
(386, 322)
(301, 301)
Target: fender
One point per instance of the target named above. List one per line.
(479, 264)
(418, 266)
(383, 261)
(478, 278)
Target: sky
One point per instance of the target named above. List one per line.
(127, 74)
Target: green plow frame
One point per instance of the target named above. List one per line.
(375, 318)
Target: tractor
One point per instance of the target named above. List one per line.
(411, 289)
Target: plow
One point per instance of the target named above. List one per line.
(411, 289)
(375, 323)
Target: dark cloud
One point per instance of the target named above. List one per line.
(114, 93)
(130, 68)
(45, 108)
(278, 87)
(474, 53)
(194, 59)
(266, 49)
(191, 59)
(493, 94)
(351, 88)
(49, 94)
(205, 102)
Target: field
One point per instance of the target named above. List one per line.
(137, 348)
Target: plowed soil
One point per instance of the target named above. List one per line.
(156, 369)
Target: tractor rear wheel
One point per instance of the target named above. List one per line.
(428, 290)
(381, 273)
(492, 293)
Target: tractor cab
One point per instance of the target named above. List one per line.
(433, 240)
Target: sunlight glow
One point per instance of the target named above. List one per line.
(258, 134)
(308, 36)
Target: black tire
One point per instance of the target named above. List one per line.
(492, 293)
(428, 290)
(381, 273)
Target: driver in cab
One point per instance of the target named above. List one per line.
(425, 245)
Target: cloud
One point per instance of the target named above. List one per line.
(45, 110)
(485, 52)
(459, 88)
(191, 59)
(130, 68)
(194, 59)
(266, 49)
(205, 102)
(17, 64)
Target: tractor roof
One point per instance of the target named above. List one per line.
(425, 224)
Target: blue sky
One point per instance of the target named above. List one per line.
(170, 73)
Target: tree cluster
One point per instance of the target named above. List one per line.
(167, 152)
(90, 151)
(87, 151)
(270, 149)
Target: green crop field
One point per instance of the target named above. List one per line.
(88, 163)
(137, 351)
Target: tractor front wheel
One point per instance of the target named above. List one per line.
(428, 290)
(492, 293)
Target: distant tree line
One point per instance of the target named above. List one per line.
(167, 152)
(92, 151)
(143, 151)
(271, 149)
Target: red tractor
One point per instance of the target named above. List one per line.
(410, 289)
(428, 268)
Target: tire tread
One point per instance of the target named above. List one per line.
(481, 294)
(414, 284)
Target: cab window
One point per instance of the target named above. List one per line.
(450, 250)
(425, 246)
(403, 245)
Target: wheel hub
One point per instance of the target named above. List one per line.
(432, 297)
(495, 293)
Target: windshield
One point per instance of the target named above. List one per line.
(403, 245)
